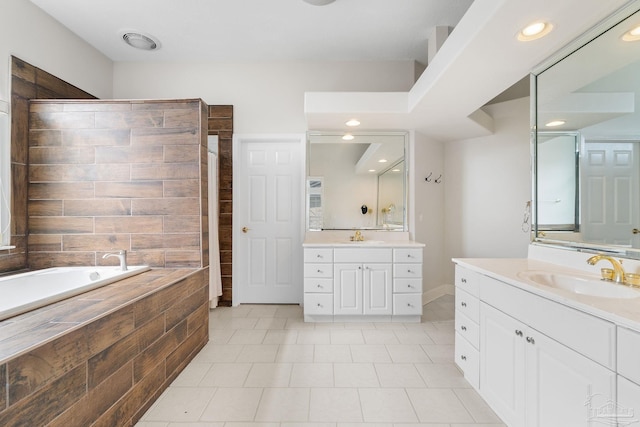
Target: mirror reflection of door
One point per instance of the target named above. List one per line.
(610, 207)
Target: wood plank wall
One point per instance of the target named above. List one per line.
(27, 82)
(221, 124)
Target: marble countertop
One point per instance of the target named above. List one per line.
(622, 311)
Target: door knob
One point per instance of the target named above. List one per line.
(245, 229)
(635, 231)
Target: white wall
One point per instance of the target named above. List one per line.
(268, 97)
(428, 201)
(488, 183)
(33, 36)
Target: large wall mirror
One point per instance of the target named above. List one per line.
(587, 143)
(356, 183)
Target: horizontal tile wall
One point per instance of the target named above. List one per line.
(110, 369)
(110, 175)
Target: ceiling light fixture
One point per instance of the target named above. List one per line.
(632, 35)
(372, 170)
(534, 31)
(347, 137)
(382, 161)
(319, 2)
(554, 123)
(353, 122)
(140, 41)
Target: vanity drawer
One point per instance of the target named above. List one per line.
(407, 255)
(407, 270)
(468, 280)
(318, 285)
(407, 286)
(407, 304)
(318, 255)
(318, 304)
(360, 254)
(468, 360)
(318, 270)
(468, 329)
(629, 354)
(468, 305)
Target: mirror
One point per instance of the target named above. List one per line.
(358, 183)
(587, 145)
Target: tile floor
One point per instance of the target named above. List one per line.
(265, 367)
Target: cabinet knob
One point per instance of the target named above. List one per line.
(319, 285)
(463, 357)
(464, 304)
(408, 286)
(409, 304)
(319, 305)
(531, 340)
(319, 271)
(464, 328)
(318, 256)
(518, 332)
(463, 280)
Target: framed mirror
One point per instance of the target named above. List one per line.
(358, 183)
(586, 121)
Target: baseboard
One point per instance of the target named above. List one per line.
(436, 293)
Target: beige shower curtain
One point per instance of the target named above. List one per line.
(215, 282)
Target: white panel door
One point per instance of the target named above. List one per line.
(610, 192)
(377, 289)
(267, 255)
(347, 289)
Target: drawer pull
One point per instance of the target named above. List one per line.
(463, 357)
(464, 328)
(319, 271)
(409, 271)
(463, 280)
(318, 256)
(464, 304)
(409, 304)
(409, 286)
(531, 340)
(319, 285)
(319, 305)
(518, 332)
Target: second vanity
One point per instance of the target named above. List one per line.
(369, 280)
(541, 355)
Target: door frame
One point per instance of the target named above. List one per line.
(238, 140)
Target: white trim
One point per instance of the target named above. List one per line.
(434, 294)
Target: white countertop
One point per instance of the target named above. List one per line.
(366, 244)
(624, 312)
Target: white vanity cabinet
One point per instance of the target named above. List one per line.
(379, 283)
(629, 375)
(467, 314)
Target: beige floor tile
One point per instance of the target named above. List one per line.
(269, 375)
(386, 405)
(407, 353)
(192, 375)
(278, 336)
(180, 404)
(314, 337)
(218, 353)
(233, 404)
(257, 353)
(295, 353)
(438, 406)
(335, 404)
(226, 375)
(377, 336)
(220, 336)
(476, 406)
(442, 375)
(370, 353)
(413, 337)
(439, 353)
(247, 336)
(347, 337)
(328, 353)
(289, 311)
(312, 375)
(355, 375)
(284, 404)
(263, 311)
(271, 323)
(398, 375)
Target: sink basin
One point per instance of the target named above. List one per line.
(366, 242)
(583, 285)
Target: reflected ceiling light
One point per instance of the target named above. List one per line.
(140, 41)
(319, 2)
(555, 123)
(395, 170)
(353, 122)
(632, 35)
(534, 31)
(372, 170)
(347, 137)
(382, 161)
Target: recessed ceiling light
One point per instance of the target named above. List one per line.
(319, 2)
(372, 170)
(353, 122)
(555, 123)
(534, 31)
(140, 41)
(395, 170)
(347, 137)
(382, 161)
(632, 35)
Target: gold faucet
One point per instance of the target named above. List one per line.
(618, 271)
(358, 237)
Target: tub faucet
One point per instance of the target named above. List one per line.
(618, 271)
(122, 256)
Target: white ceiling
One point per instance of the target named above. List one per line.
(259, 29)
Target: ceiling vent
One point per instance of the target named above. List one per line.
(140, 41)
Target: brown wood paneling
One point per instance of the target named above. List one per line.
(58, 87)
(78, 173)
(45, 242)
(182, 259)
(221, 111)
(45, 138)
(164, 171)
(61, 190)
(60, 225)
(58, 155)
(19, 130)
(182, 224)
(182, 188)
(129, 154)
(129, 119)
(39, 260)
(220, 124)
(181, 118)
(164, 136)
(61, 120)
(3, 380)
(89, 242)
(96, 207)
(45, 208)
(183, 309)
(141, 190)
(19, 199)
(181, 153)
(187, 241)
(157, 352)
(181, 206)
(130, 225)
(95, 137)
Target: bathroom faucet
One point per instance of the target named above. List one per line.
(358, 237)
(618, 271)
(122, 256)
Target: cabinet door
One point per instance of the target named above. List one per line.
(347, 289)
(564, 388)
(502, 375)
(628, 407)
(377, 289)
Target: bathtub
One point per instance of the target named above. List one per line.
(23, 292)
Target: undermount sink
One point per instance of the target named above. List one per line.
(582, 285)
